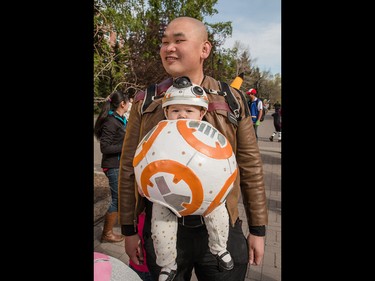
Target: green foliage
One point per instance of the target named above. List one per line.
(131, 60)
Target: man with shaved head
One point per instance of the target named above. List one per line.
(184, 48)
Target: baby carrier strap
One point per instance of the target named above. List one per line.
(230, 105)
(154, 91)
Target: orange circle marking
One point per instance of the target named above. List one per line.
(146, 145)
(219, 196)
(180, 172)
(217, 152)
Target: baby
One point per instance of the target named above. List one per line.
(184, 100)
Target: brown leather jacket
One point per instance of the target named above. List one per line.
(249, 181)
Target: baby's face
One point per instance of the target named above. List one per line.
(183, 111)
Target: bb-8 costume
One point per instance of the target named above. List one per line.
(186, 167)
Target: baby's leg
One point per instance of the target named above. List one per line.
(164, 235)
(217, 223)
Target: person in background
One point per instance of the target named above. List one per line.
(266, 106)
(109, 130)
(183, 51)
(277, 124)
(256, 109)
(141, 269)
(276, 105)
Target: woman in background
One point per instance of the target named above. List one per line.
(110, 131)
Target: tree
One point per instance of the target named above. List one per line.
(135, 59)
(127, 34)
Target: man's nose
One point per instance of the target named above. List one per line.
(171, 47)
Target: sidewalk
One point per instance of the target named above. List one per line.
(270, 270)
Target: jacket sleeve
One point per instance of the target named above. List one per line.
(250, 180)
(128, 194)
(251, 174)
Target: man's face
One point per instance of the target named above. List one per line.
(181, 48)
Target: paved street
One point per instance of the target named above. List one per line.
(270, 270)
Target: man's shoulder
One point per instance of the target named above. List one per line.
(157, 88)
(210, 83)
(213, 84)
(140, 95)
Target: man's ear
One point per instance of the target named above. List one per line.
(206, 50)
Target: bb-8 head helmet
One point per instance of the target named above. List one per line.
(184, 92)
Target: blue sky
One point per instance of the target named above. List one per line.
(257, 25)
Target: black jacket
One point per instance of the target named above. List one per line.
(113, 133)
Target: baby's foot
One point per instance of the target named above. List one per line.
(168, 273)
(225, 260)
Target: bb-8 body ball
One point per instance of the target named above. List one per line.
(186, 165)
